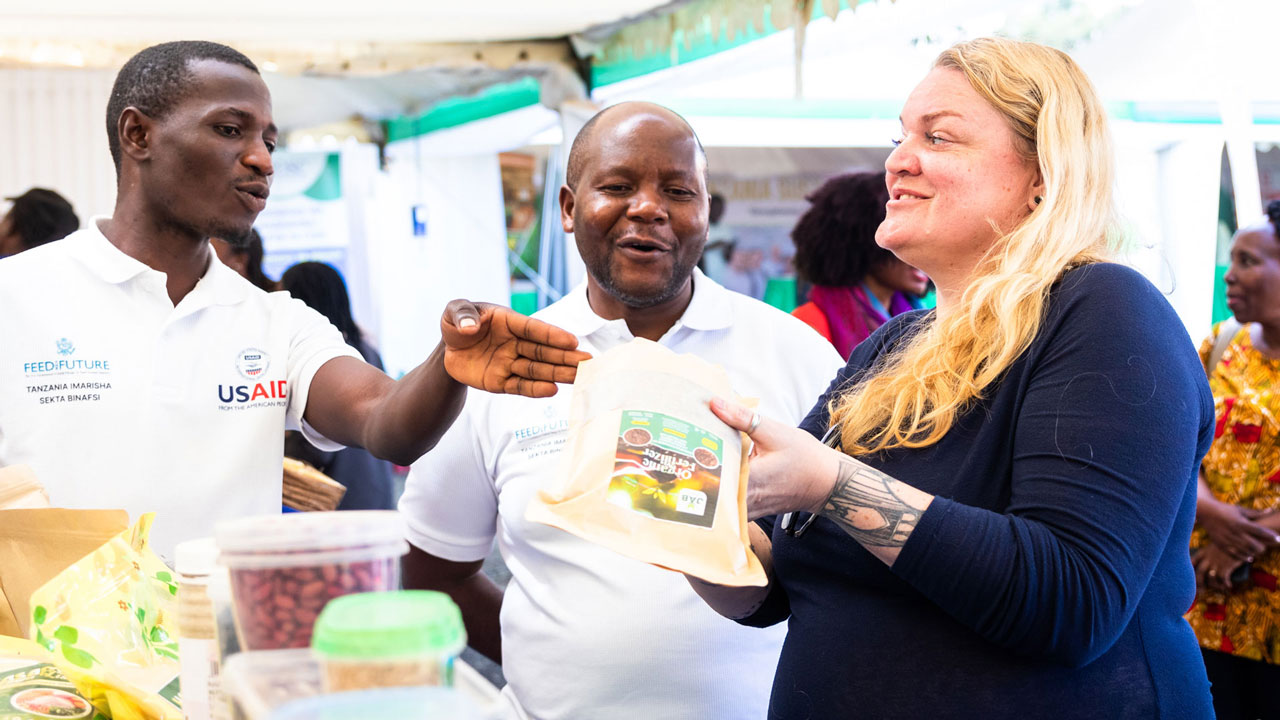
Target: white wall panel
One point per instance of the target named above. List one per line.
(53, 134)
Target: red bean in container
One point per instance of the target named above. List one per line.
(286, 568)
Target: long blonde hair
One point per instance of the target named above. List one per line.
(913, 395)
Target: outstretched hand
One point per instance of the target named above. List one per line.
(501, 351)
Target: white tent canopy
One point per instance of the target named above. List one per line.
(327, 61)
(321, 23)
(1184, 77)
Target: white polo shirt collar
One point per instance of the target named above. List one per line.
(220, 285)
(709, 309)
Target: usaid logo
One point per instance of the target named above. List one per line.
(252, 363)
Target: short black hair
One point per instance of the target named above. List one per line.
(158, 78)
(322, 288)
(578, 150)
(252, 250)
(717, 208)
(835, 238)
(1273, 214)
(40, 215)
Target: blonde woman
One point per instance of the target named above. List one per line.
(1002, 529)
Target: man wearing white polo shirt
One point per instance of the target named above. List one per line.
(139, 372)
(584, 632)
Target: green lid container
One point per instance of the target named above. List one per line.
(370, 626)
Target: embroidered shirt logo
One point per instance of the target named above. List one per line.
(65, 346)
(252, 363)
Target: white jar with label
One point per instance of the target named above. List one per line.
(196, 563)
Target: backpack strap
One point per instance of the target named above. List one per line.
(1226, 333)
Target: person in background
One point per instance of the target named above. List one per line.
(715, 256)
(1234, 548)
(245, 257)
(584, 632)
(999, 527)
(856, 284)
(144, 375)
(367, 479)
(38, 216)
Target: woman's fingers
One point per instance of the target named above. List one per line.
(734, 415)
(1198, 565)
(1260, 535)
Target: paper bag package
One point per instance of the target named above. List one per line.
(37, 544)
(648, 471)
(19, 488)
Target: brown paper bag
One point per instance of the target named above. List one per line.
(19, 488)
(37, 544)
(649, 471)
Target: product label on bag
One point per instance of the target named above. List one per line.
(29, 691)
(666, 469)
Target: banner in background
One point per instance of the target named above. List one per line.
(306, 217)
(752, 241)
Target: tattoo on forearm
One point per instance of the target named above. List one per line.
(865, 505)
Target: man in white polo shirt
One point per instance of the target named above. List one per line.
(137, 371)
(586, 633)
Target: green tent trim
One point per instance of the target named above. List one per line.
(455, 111)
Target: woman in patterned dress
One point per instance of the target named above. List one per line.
(1235, 542)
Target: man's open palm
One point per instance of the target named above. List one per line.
(499, 350)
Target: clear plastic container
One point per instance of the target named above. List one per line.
(258, 683)
(386, 704)
(286, 568)
(399, 639)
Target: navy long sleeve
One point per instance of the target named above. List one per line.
(1050, 574)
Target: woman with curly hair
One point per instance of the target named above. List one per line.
(999, 526)
(857, 285)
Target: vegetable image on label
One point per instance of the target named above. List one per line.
(50, 702)
(666, 469)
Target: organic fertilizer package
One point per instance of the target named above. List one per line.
(648, 471)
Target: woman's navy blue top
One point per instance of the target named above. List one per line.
(1049, 576)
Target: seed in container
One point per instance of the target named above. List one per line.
(286, 568)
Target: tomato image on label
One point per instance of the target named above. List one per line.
(666, 469)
